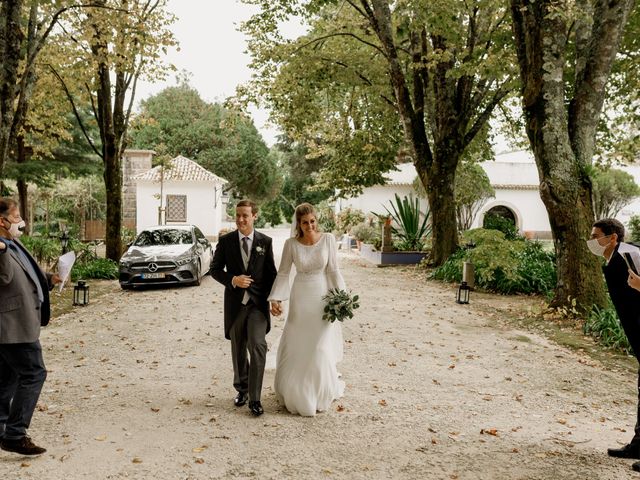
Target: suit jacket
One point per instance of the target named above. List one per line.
(626, 300)
(21, 312)
(227, 263)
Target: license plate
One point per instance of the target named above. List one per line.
(152, 275)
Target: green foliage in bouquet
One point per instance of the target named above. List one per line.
(340, 305)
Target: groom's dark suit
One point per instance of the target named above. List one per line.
(246, 325)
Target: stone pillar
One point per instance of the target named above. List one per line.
(134, 162)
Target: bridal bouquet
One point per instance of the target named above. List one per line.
(340, 305)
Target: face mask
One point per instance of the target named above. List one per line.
(595, 247)
(16, 229)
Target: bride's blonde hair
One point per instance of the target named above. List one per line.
(302, 210)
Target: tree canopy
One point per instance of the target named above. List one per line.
(374, 81)
(613, 189)
(223, 140)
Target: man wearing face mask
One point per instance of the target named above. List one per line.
(606, 236)
(24, 308)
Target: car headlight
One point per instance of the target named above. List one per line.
(125, 263)
(184, 261)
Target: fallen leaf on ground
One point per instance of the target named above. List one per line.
(136, 460)
(101, 438)
(382, 402)
(489, 431)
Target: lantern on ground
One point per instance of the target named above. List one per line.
(463, 293)
(81, 293)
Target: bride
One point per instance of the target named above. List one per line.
(306, 378)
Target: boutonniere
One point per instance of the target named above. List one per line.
(259, 249)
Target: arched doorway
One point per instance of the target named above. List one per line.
(502, 218)
(503, 212)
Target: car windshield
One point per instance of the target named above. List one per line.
(163, 237)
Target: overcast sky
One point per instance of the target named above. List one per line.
(213, 51)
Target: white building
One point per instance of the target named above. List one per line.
(181, 193)
(514, 177)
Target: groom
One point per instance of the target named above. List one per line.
(243, 263)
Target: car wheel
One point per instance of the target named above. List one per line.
(196, 282)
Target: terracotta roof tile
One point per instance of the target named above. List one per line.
(181, 168)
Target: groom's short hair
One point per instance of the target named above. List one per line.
(248, 203)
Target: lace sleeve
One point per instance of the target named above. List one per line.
(334, 277)
(281, 287)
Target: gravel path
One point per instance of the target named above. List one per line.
(140, 386)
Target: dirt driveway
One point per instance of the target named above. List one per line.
(140, 387)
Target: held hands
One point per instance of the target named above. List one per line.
(242, 281)
(634, 280)
(55, 279)
(276, 309)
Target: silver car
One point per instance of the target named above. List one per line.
(166, 255)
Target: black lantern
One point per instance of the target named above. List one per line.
(81, 293)
(463, 293)
(64, 241)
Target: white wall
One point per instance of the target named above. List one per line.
(506, 171)
(204, 204)
(373, 198)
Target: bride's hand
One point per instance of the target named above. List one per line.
(276, 308)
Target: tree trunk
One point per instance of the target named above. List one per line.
(440, 191)
(113, 183)
(11, 37)
(563, 139)
(23, 189)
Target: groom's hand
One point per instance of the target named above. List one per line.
(276, 309)
(242, 281)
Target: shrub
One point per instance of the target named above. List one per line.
(504, 225)
(326, 218)
(604, 325)
(45, 250)
(411, 231)
(348, 218)
(364, 232)
(634, 228)
(102, 268)
(501, 265)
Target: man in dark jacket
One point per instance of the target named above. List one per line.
(243, 263)
(606, 236)
(24, 308)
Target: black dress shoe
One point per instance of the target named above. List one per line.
(240, 399)
(23, 446)
(256, 408)
(628, 451)
(635, 466)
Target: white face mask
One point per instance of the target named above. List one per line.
(16, 229)
(595, 247)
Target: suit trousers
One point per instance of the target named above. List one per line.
(22, 375)
(248, 337)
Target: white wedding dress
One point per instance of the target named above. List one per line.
(306, 378)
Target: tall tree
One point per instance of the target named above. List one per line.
(115, 43)
(25, 27)
(447, 66)
(613, 189)
(219, 138)
(565, 52)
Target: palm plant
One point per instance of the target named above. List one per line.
(411, 229)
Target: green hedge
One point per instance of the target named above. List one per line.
(501, 265)
(47, 250)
